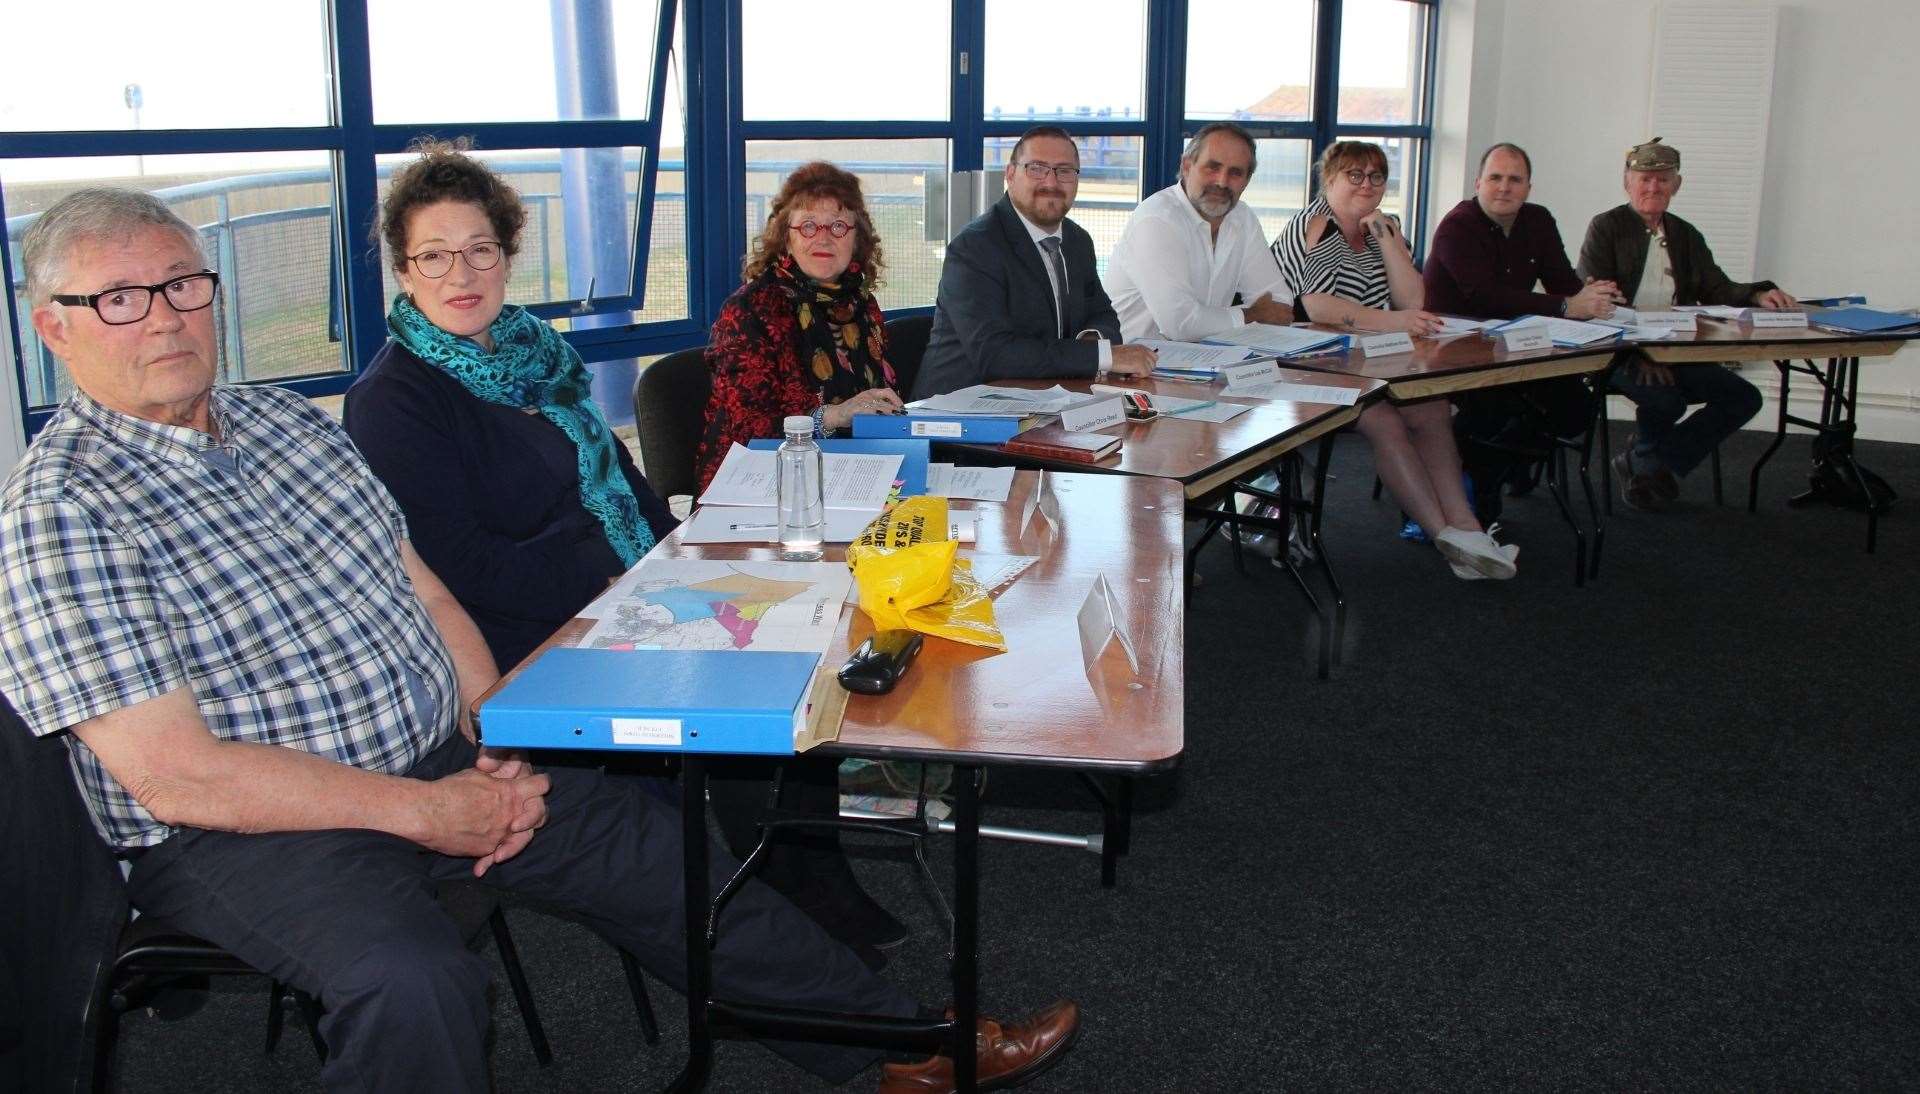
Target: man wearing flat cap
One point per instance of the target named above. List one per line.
(1659, 260)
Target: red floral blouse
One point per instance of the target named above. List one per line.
(758, 377)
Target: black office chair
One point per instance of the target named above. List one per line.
(906, 345)
(70, 910)
(670, 411)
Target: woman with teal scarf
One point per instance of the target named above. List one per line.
(476, 416)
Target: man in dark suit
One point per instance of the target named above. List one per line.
(1019, 296)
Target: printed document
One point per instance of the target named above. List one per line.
(978, 483)
(853, 480)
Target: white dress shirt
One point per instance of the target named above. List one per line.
(1038, 233)
(1170, 278)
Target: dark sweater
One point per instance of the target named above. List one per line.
(492, 499)
(1476, 270)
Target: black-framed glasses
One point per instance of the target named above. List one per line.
(1038, 172)
(438, 261)
(1361, 178)
(130, 303)
(809, 228)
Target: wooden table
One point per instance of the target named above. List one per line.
(1453, 365)
(1203, 457)
(1213, 461)
(1836, 477)
(1039, 704)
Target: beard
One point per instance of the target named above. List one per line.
(1214, 202)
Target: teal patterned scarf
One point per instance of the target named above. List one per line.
(532, 367)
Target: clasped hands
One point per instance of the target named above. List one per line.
(489, 812)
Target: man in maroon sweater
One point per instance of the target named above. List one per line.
(1495, 246)
(1488, 255)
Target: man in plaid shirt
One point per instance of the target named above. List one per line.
(263, 690)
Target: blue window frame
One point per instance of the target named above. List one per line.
(728, 162)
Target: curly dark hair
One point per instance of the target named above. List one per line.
(809, 183)
(444, 172)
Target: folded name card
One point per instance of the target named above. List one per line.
(1095, 415)
(1668, 320)
(1777, 319)
(1386, 345)
(1521, 339)
(1249, 373)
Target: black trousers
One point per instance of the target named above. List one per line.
(349, 916)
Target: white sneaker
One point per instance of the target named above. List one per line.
(1476, 551)
(1468, 573)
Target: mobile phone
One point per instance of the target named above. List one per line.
(880, 662)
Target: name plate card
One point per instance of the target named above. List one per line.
(1667, 320)
(1103, 622)
(1094, 415)
(1522, 339)
(1250, 373)
(1386, 345)
(1777, 320)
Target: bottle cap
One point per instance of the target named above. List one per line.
(799, 423)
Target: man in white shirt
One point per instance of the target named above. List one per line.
(1188, 250)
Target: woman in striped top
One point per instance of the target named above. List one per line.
(1348, 265)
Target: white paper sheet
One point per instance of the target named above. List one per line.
(1565, 332)
(1284, 392)
(1194, 355)
(1003, 402)
(1452, 326)
(1277, 341)
(853, 480)
(976, 483)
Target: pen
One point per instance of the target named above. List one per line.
(1196, 406)
(751, 527)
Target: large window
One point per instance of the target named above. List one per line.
(1300, 74)
(278, 154)
(648, 136)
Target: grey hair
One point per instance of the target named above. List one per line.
(93, 213)
(1200, 139)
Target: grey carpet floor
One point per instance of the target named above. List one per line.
(1657, 833)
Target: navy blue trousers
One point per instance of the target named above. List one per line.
(1661, 439)
(349, 916)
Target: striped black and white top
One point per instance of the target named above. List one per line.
(1330, 266)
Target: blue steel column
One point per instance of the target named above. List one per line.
(593, 187)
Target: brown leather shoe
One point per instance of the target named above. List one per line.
(1007, 1055)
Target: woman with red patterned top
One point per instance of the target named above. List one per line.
(803, 335)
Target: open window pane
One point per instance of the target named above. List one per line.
(578, 238)
(266, 221)
(510, 60)
(845, 60)
(1251, 62)
(1109, 184)
(668, 275)
(1069, 59)
(153, 66)
(1383, 50)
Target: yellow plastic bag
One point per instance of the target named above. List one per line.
(908, 576)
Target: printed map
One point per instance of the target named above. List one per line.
(686, 605)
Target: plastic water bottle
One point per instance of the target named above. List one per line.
(803, 510)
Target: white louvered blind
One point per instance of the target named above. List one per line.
(1712, 96)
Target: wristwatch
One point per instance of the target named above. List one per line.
(1563, 307)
